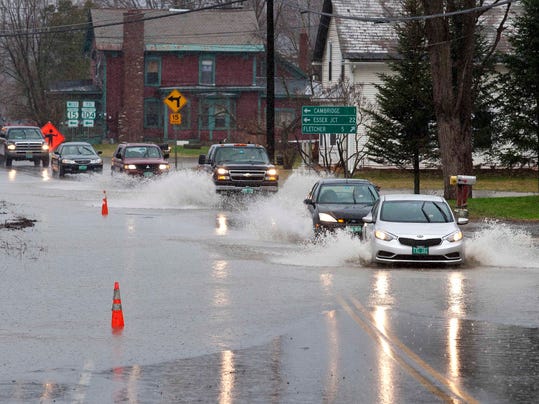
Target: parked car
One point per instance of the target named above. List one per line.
(74, 158)
(404, 228)
(23, 143)
(139, 159)
(337, 203)
(240, 168)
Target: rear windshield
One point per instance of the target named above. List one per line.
(416, 212)
(24, 134)
(241, 155)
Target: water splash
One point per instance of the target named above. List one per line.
(502, 245)
(184, 189)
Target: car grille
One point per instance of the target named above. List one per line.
(429, 242)
(82, 161)
(24, 147)
(388, 256)
(247, 175)
(148, 167)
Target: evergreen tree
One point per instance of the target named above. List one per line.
(402, 127)
(519, 90)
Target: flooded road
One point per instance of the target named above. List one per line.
(231, 302)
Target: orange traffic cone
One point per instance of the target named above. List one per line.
(117, 315)
(105, 207)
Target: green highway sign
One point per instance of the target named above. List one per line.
(328, 119)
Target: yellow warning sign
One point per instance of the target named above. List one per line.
(175, 119)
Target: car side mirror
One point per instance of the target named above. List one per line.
(118, 155)
(202, 159)
(462, 220)
(99, 152)
(166, 155)
(368, 218)
(308, 201)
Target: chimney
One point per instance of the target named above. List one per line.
(131, 117)
(303, 60)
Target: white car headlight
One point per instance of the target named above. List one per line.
(271, 171)
(96, 161)
(45, 146)
(163, 167)
(324, 217)
(11, 147)
(68, 161)
(130, 167)
(384, 235)
(222, 171)
(455, 236)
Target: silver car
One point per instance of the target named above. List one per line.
(404, 228)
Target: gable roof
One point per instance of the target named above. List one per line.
(366, 40)
(218, 30)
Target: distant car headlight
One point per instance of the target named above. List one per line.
(455, 236)
(324, 217)
(130, 167)
(96, 161)
(222, 171)
(384, 235)
(68, 161)
(163, 167)
(45, 147)
(11, 147)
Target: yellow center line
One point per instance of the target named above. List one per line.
(392, 341)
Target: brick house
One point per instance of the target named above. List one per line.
(214, 58)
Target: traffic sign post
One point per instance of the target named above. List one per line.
(328, 119)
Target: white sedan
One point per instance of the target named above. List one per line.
(404, 228)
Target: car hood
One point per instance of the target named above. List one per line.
(79, 156)
(418, 229)
(356, 211)
(144, 161)
(245, 166)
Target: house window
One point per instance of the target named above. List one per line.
(330, 57)
(284, 117)
(153, 113)
(152, 72)
(217, 114)
(207, 70)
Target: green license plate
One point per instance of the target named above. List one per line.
(83, 168)
(29, 155)
(420, 250)
(148, 174)
(247, 190)
(354, 229)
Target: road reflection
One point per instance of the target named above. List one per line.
(228, 371)
(222, 225)
(456, 311)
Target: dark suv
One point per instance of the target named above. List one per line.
(240, 167)
(23, 143)
(139, 159)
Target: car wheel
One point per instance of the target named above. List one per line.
(36, 163)
(61, 171)
(8, 162)
(45, 161)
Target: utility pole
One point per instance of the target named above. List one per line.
(270, 82)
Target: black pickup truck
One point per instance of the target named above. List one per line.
(240, 168)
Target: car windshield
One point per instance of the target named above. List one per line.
(142, 152)
(347, 194)
(24, 134)
(78, 149)
(241, 154)
(416, 212)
